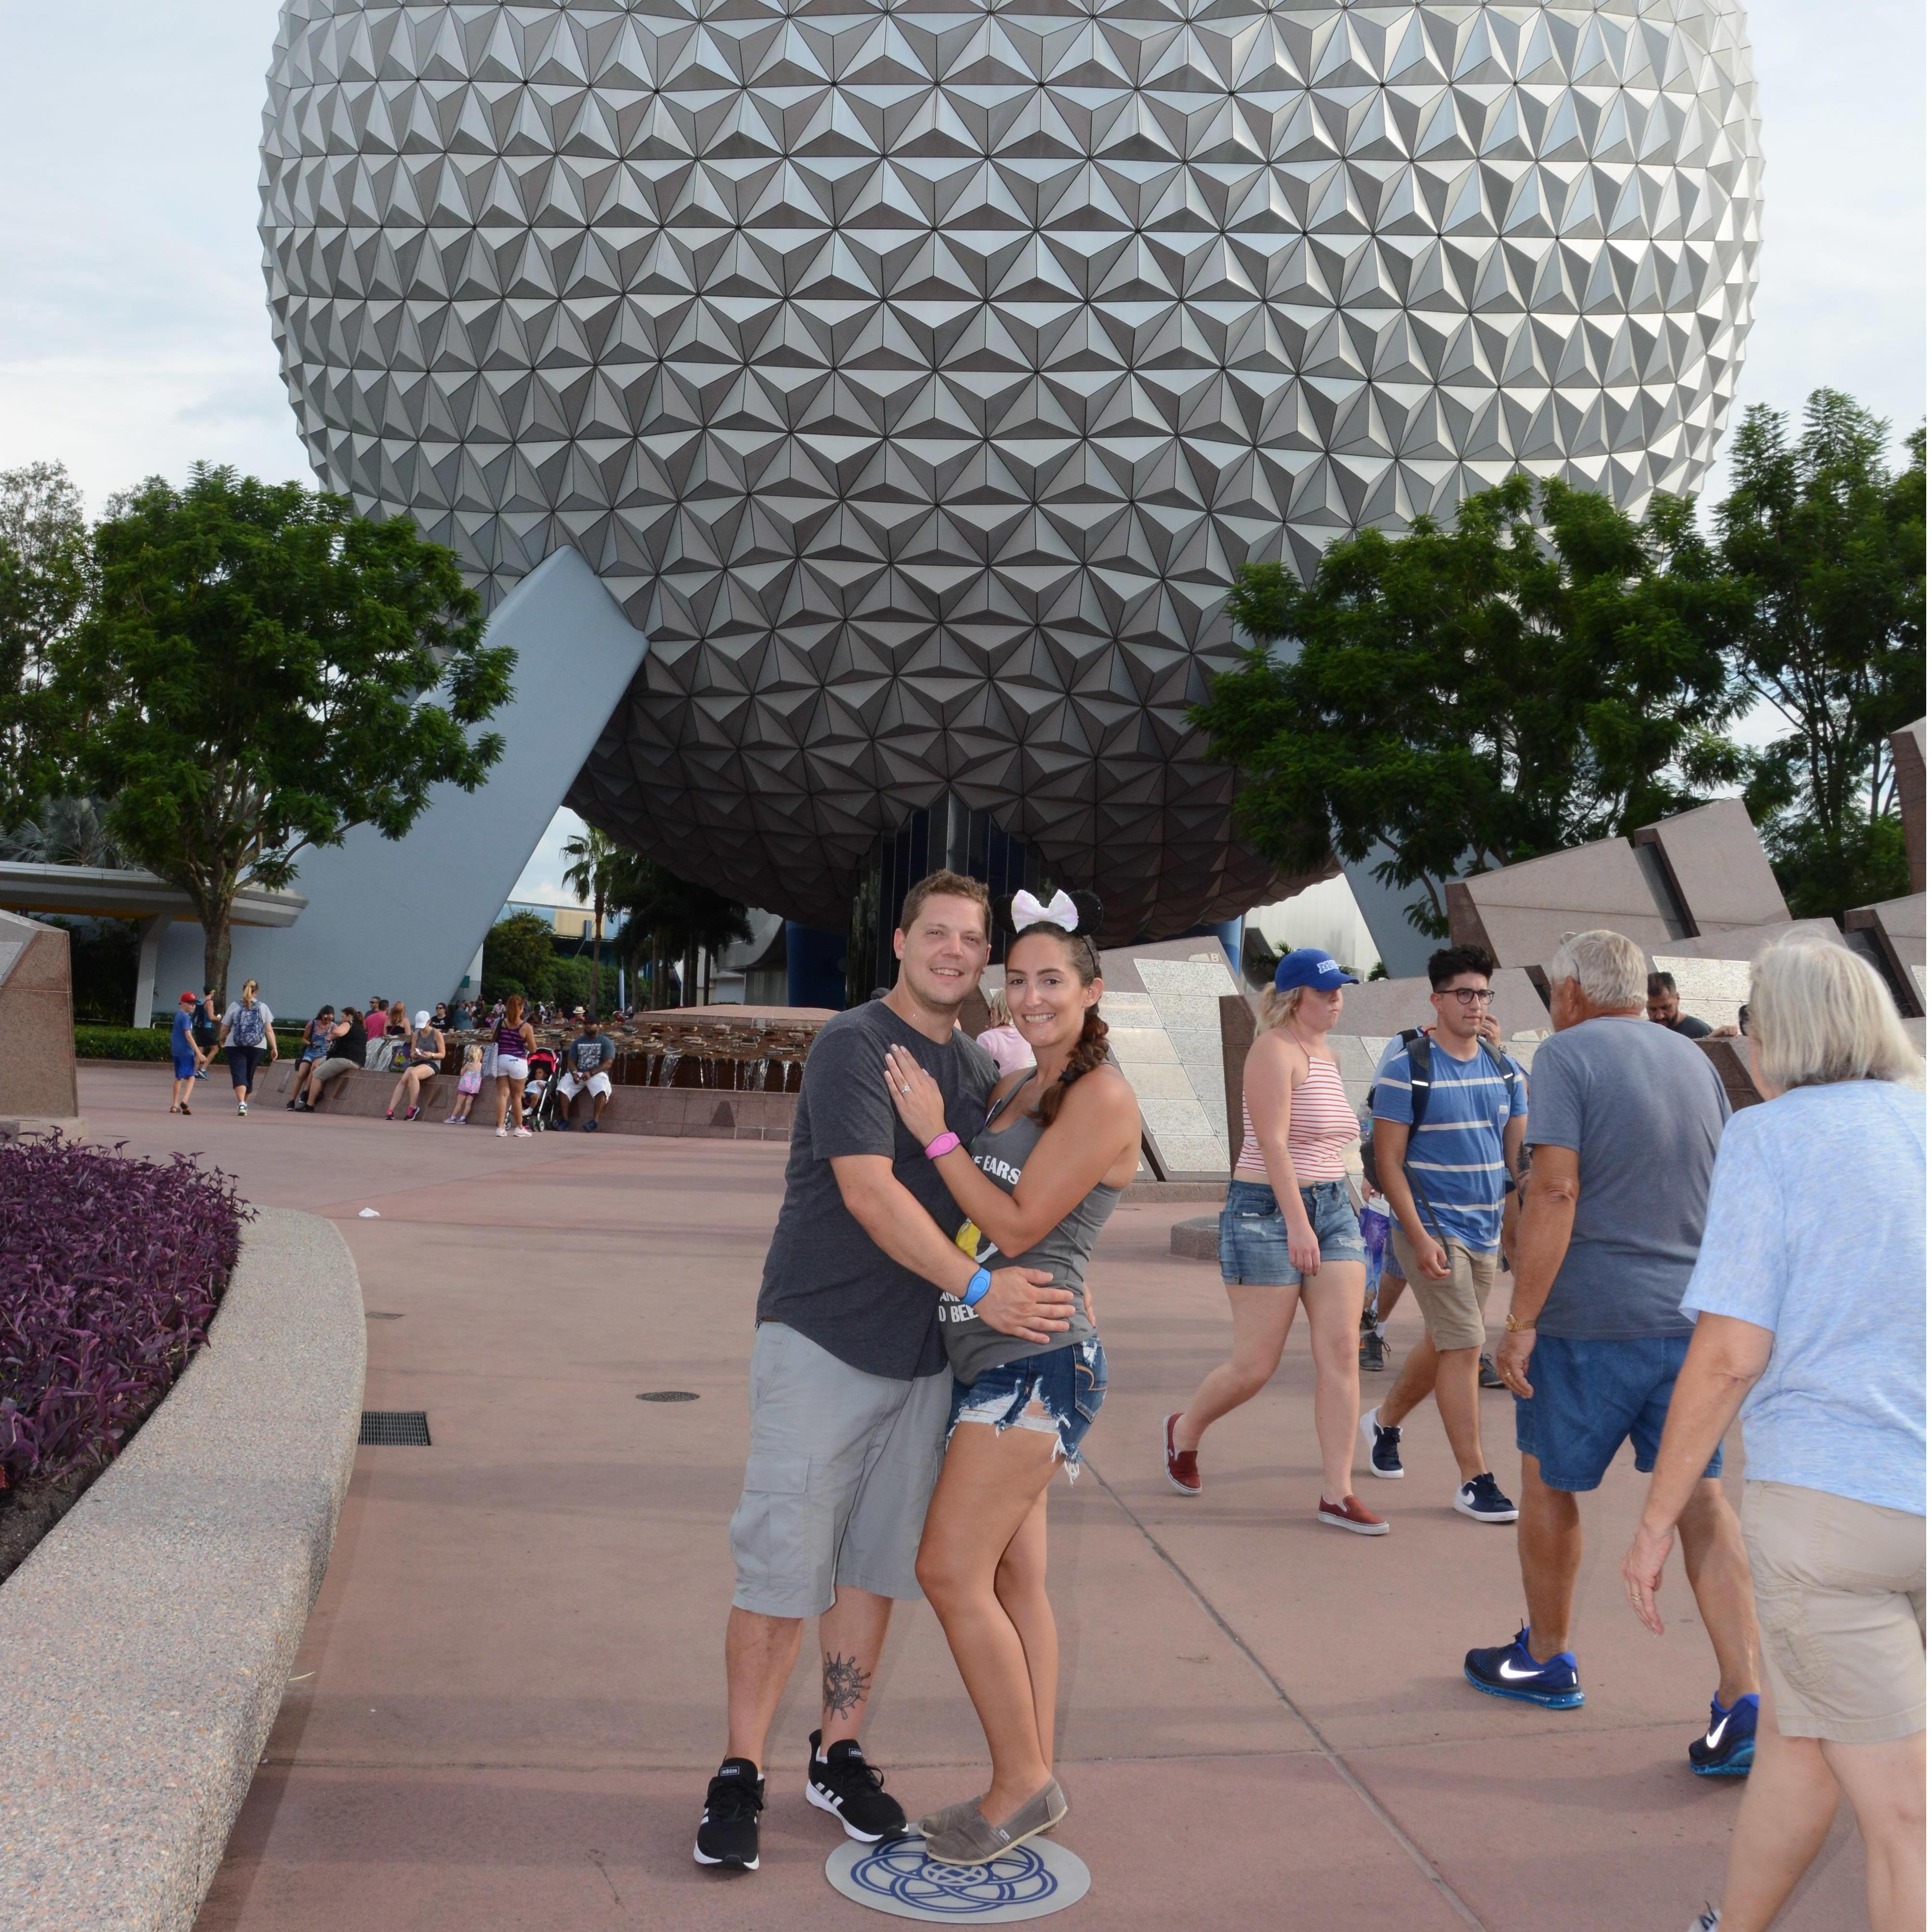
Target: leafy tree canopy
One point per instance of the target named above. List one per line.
(518, 957)
(44, 566)
(251, 676)
(1475, 696)
(671, 917)
(1831, 542)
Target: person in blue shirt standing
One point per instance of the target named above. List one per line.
(1449, 1121)
(186, 1052)
(1831, 1387)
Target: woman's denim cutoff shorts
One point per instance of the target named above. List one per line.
(1069, 1384)
(1254, 1232)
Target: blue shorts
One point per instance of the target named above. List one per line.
(184, 1066)
(1254, 1234)
(1589, 1397)
(1069, 1384)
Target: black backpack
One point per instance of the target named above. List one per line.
(1419, 1081)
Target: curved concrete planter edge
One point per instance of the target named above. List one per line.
(145, 1644)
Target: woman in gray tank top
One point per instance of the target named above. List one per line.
(1061, 1140)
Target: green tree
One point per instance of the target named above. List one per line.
(1470, 697)
(597, 863)
(258, 671)
(44, 588)
(518, 957)
(668, 919)
(1831, 543)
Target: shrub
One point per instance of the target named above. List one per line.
(114, 1269)
(148, 1043)
(120, 1042)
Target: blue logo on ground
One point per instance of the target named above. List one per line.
(900, 1870)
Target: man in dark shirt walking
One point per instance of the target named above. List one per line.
(851, 1392)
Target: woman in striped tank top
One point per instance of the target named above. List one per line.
(1290, 1236)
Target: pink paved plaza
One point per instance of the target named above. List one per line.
(512, 1689)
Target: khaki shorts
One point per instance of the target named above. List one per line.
(1452, 1310)
(842, 1469)
(1841, 1589)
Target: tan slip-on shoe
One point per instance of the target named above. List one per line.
(960, 1834)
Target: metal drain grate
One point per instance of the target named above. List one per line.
(394, 1429)
(668, 1395)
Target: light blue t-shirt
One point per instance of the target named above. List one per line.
(1455, 1161)
(1817, 1230)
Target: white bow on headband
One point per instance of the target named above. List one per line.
(1059, 910)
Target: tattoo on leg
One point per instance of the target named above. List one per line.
(845, 1684)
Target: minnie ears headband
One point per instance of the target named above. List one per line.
(1060, 910)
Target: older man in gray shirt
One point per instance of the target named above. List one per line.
(1625, 1118)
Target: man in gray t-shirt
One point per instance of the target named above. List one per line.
(851, 1394)
(1642, 1108)
(1624, 1118)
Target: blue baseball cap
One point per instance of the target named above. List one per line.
(1309, 966)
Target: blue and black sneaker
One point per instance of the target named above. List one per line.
(1728, 1748)
(1510, 1671)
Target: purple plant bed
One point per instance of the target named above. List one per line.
(113, 1270)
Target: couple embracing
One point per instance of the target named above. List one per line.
(925, 1355)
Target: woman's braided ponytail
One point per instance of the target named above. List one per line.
(1090, 1051)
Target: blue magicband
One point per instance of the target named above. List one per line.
(977, 1287)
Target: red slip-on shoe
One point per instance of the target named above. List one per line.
(1183, 1465)
(1348, 1513)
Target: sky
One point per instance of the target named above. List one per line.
(134, 336)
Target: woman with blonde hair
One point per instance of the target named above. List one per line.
(247, 1032)
(1290, 1237)
(1830, 1383)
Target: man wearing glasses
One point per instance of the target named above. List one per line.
(1448, 1133)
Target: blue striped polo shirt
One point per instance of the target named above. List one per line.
(1456, 1161)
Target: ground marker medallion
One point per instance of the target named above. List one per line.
(1036, 1878)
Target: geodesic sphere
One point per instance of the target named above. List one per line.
(916, 373)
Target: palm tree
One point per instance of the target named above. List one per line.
(667, 917)
(596, 862)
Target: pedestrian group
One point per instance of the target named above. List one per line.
(927, 1352)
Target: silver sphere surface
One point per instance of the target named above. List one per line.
(917, 372)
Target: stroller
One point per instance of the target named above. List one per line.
(540, 1086)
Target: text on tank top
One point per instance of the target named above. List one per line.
(1321, 1128)
(1063, 1252)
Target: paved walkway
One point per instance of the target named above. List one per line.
(511, 1691)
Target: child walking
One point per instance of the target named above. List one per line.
(468, 1084)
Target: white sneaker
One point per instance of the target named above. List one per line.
(503, 1133)
(1709, 1920)
(521, 1134)
(241, 1106)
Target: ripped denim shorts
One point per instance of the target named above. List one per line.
(1057, 1393)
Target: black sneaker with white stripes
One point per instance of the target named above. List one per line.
(727, 1834)
(842, 1783)
(1479, 1498)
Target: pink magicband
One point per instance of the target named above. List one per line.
(945, 1143)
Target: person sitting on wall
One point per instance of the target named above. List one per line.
(347, 1040)
(316, 1036)
(585, 1059)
